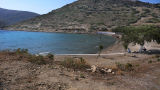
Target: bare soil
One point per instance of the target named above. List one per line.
(19, 74)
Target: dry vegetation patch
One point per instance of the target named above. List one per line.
(75, 63)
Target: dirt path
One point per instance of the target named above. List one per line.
(90, 54)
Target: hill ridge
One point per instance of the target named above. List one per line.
(90, 16)
(9, 17)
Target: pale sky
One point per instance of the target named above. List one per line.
(38, 6)
(41, 6)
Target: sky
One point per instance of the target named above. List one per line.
(151, 1)
(38, 6)
(41, 6)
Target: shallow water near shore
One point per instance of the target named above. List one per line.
(56, 43)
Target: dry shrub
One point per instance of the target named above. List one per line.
(23, 54)
(7, 52)
(37, 59)
(50, 56)
(75, 63)
(21, 51)
(119, 72)
(150, 61)
(40, 60)
(157, 56)
(125, 67)
(158, 59)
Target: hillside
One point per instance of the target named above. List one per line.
(91, 15)
(9, 17)
(2, 24)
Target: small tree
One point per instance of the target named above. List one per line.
(100, 47)
(100, 50)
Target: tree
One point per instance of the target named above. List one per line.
(100, 49)
(139, 34)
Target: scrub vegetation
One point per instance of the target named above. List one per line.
(139, 34)
(91, 16)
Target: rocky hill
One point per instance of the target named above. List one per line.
(9, 17)
(92, 15)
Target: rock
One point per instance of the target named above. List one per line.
(109, 70)
(93, 68)
(43, 53)
(59, 85)
(89, 69)
(113, 72)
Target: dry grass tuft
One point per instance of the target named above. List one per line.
(75, 63)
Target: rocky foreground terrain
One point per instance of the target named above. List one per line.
(22, 71)
(93, 15)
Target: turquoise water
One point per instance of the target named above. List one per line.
(56, 43)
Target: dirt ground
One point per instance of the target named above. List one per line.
(23, 75)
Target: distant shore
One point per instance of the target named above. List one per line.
(54, 31)
(66, 31)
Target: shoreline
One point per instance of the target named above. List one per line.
(64, 31)
(48, 31)
(116, 47)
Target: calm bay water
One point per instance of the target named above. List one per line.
(56, 43)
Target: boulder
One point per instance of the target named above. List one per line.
(93, 68)
(109, 70)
